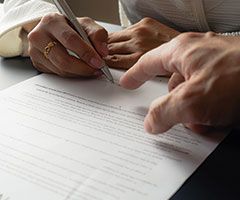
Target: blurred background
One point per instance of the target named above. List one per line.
(101, 10)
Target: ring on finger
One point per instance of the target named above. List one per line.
(48, 48)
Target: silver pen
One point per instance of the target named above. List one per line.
(64, 9)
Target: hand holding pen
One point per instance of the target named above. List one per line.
(53, 35)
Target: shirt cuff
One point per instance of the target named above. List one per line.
(123, 17)
(12, 41)
(230, 33)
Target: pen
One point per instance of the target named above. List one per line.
(64, 8)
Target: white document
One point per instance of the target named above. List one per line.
(71, 139)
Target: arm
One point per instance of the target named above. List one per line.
(19, 16)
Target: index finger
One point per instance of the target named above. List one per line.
(58, 27)
(148, 66)
(97, 34)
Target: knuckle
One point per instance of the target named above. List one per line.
(34, 36)
(210, 34)
(86, 20)
(68, 37)
(140, 44)
(99, 33)
(187, 94)
(188, 36)
(141, 31)
(147, 21)
(184, 37)
(51, 18)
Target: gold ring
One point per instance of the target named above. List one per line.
(48, 48)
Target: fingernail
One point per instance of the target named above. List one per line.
(104, 49)
(97, 63)
(147, 125)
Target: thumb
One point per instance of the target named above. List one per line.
(161, 115)
(176, 107)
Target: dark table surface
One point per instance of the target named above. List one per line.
(218, 177)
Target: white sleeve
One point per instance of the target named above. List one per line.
(13, 15)
(123, 17)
